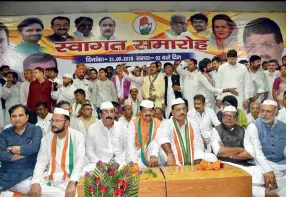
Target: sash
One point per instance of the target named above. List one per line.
(120, 87)
(144, 150)
(185, 155)
(151, 86)
(137, 101)
(67, 161)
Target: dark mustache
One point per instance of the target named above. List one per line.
(182, 114)
(148, 115)
(109, 118)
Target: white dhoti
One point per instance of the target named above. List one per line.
(23, 187)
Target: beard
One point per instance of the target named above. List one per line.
(267, 121)
(59, 130)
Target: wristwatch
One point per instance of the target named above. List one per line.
(10, 149)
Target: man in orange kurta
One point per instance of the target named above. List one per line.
(144, 129)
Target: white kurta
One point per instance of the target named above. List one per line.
(45, 123)
(250, 118)
(135, 105)
(206, 121)
(103, 91)
(85, 85)
(65, 93)
(44, 158)
(126, 123)
(259, 84)
(135, 82)
(170, 34)
(270, 79)
(208, 90)
(282, 115)
(76, 107)
(1, 110)
(170, 97)
(102, 143)
(12, 97)
(234, 76)
(165, 134)
(189, 86)
(24, 90)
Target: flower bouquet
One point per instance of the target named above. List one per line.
(107, 180)
(205, 165)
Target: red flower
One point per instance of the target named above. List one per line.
(120, 183)
(111, 172)
(125, 185)
(103, 189)
(92, 188)
(97, 181)
(221, 165)
(118, 192)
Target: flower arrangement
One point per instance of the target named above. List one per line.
(107, 180)
(205, 165)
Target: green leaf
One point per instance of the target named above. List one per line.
(148, 171)
(154, 174)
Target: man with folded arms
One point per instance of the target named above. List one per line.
(64, 152)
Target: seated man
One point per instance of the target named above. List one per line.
(205, 117)
(233, 145)
(64, 152)
(143, 131)
(127, 116)
(254, 112)
(106, 138)
(43, 117)
(19, 146)
(87, 118)
(175, 138)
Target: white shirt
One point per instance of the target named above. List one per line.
(1, 110)
(259, 84)
(102, 143)
(114, 37)
(206, 121)
(135, 82)
(234, 76)
(135, 105)
(282, 115)
(64, 93)
(123, 120)
(103, 91)
(208, 90)
(165, 134)
(250, 118)
(85, 85)
(24, 90)
(189, 86)
(77, 106)
(270, 79)
(171, 35)
(80, 36)
(44, 156)
(45, 123)
(11, 95)
(57, 80)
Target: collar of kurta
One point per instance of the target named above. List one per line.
(145, 123)
(267, 125)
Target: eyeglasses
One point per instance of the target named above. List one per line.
(266, 46)
(88, 109)
(227, 116)
(57, 121)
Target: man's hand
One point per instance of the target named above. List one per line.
(163, 106)
(122, 101)
(70, 190)
(218, 103)
(233, 91)
(268, 193)
(8, 84)
(59, 86)
(270, 180)
(176, 88)
(171, 159)
(220, 144)
(16, 149)
(153, 161)
(35, 190)
(245, 104)
(152, 98)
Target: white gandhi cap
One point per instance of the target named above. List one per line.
(107, 105)
(270, 102)
(147, 104)
(68, 75)
(61, 111)
(229, 109)
(177, 101)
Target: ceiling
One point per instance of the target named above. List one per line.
(14, 8)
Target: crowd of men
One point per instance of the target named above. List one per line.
(54, 130)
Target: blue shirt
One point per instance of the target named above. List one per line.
(13, 172)
(273, 140)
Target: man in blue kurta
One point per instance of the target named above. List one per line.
(19, 146)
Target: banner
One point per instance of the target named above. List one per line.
(138, 38)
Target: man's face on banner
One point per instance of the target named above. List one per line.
(32, 33)
(263, 45)
(61, 27)
(179, 25)
(3, 42)
(107, 28)
(199, 25)
(85, 27)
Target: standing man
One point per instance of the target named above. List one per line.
(199, 22)
(19, 146)
(153, 86)
(39, 90)
(189, 79)
(133, 101)
(108, 137)
(122, 86)
(259, 84)
(235, 75)
(4, 70)
(43, 117)
(65, 91)
(107, 27)
(30, 31)
(172, 88)
(61, 26)
(24, 88)
(11, 93)
(93, 75)
(271, 74)
(80, 97)
(64, 152)
(143, 132)
(84, 27)
(282, 112)
(81, 83)
(103, 90)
